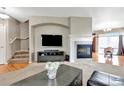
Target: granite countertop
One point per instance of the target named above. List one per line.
(9, 78)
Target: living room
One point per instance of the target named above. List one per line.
(39, 38)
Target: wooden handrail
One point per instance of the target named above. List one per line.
(24, 38)
(12, 40)
(18, 39)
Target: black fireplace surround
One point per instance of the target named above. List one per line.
(84, 50)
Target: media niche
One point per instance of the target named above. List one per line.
(51, 40)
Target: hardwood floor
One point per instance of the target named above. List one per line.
(116, 60)
(11, 67)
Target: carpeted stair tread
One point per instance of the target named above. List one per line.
(21, 56)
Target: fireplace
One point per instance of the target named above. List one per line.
(80, 48)
(84, 51)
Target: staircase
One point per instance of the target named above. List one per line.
(21, 56)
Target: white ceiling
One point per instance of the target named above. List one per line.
(103, 17)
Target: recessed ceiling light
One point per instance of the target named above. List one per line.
(4, 16)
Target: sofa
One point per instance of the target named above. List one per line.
(99, 78)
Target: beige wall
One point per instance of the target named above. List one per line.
(24, 30)
(15, 46)
(14, 30)
(81, 26)
(13, 33)
(35, 20)
(24, 35)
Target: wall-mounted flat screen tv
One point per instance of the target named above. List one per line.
(51, 40)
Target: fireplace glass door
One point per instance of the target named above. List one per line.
(84, 51)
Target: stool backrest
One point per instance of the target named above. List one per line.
(108, 49)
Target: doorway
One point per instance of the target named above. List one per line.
(2, 44)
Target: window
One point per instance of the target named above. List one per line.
(108, 41)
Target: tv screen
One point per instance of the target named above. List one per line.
(51, 40)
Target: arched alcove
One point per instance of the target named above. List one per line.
(49, 29)
(57, 24)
